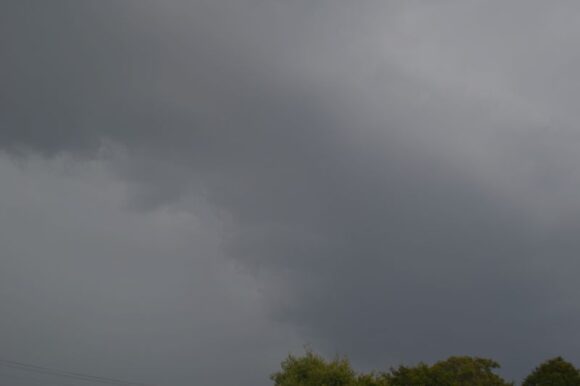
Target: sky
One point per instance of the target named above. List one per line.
(191, 190)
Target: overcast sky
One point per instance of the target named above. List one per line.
(190, 190)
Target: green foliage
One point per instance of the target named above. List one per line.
(554, 372)
(466, 371)
(313, 370)
(419, 375)
(372, 380)
(455, 371)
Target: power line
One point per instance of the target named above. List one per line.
(65, 374)
(10, 377)
(30, 368)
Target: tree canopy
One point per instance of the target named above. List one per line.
(312, 369)
(554, 372)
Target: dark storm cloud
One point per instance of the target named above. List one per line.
(88, 286)
(398, 178)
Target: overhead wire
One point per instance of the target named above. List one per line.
(31, 368)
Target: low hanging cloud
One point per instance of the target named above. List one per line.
(397, 181)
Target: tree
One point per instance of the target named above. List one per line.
(372, 379)
(313, 370)
(454, 371)
(466, 371)
(553, 372)
(419, 375)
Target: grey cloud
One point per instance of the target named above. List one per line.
(91, 286)
(398, 178)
